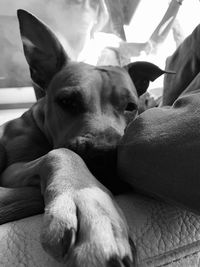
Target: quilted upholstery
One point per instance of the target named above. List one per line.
(164, 236)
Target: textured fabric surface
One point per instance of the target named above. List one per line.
(164, 236)
(185, 61)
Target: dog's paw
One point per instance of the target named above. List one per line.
(87, 229)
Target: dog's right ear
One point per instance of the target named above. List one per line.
(44, 53)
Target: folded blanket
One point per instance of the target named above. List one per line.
(185, 61)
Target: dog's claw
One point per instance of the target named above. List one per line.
(68, 241)
(127, 262)
(133, 248)
(115, 262)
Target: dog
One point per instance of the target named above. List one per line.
(59, 157)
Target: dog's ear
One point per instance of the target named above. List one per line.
(142, 73)
(44, 53)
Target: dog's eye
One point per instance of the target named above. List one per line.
(68, 103)
(131, 107)
(71, 103)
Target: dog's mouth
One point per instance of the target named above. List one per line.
(100, 159)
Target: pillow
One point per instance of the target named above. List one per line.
(159, 152)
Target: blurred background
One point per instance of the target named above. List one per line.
(109, 32)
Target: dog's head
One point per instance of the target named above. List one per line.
(86, 108)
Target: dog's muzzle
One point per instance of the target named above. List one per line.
(99, 152)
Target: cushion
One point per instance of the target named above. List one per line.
(164, 235)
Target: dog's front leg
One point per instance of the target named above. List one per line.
(82, 226)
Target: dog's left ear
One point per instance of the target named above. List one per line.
(43, 51)
(142, 72)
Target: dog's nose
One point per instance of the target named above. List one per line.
(109, 137)
(93, 143)
(99, 151)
